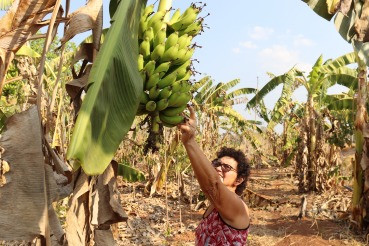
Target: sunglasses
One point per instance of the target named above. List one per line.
(225, 167)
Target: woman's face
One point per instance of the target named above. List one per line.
(229, 178)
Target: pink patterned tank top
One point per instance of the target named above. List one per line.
(213, 231)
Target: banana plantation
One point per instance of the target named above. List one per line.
(90, 151)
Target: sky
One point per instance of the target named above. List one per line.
(247, 39)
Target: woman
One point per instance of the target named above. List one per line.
(226, 220)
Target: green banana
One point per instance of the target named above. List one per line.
(150, 106)
(158, 52)
(188, 75)
(184, 58)
(193, 29)
(144, 98)
(181, 53)
(173, 111)
(183, 41)
(140, 62)
(158, 26)
(186, 19)
(182, 99)
(154, 92)
(170, 54)
(160, 37)
(149, 33)
(167, 80)
(185, 86)
(173, 120)
(153, 80)
(148, 10)
(150, 67)
(165, 92)
(171, 40)
(163, 67)
(145, 47)
(172, 100)
(157, 17)
(175, 17)
(162, 104)
(142, 26)
(176, 86)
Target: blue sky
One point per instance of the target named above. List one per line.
(246, 39)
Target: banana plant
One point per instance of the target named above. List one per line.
(351, 23)
(322, 76)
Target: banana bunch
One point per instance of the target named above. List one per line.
(165, 51)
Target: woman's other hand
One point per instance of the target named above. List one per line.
(188, 128)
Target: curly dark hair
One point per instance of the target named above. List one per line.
(243, 167)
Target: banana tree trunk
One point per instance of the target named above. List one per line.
(285, 151)
(311, 143)
(360, 192)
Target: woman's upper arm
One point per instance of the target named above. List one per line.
(229, 205)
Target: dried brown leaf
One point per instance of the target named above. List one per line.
(362, 25)
(88, 17)
(27, 198)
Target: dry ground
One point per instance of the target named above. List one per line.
(274, 203)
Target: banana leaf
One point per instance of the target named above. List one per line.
(112, 99)
(339, 62)
(239, 92)
(200, 83)
(129, 173)
(25, 50)
(320, 7)
(269, 86)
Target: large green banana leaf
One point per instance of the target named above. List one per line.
(110, 105)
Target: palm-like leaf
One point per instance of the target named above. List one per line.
(110, 105)
(269, 86)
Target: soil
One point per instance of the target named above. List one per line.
(274, 206)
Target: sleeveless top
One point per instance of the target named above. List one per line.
(213, 231)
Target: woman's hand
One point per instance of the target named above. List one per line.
(188, 129)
